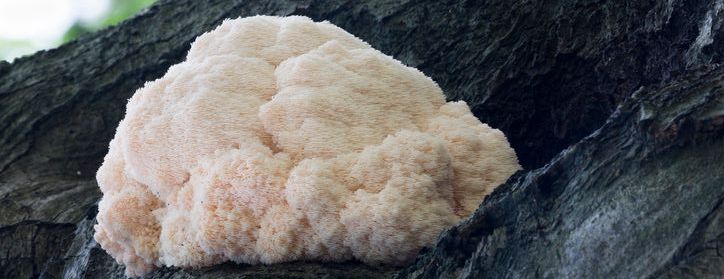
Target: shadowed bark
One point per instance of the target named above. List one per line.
(642, 197)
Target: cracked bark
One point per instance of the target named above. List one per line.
(639, 198)
(547, 73)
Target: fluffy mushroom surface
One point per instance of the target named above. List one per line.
(281, 139)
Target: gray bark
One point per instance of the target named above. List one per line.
(640, 197)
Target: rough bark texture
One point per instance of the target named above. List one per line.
(640, 197)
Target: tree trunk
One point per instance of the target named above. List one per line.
(633, 193)
(642, 197)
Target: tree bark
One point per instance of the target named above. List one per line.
(641, 197)
(636, 193)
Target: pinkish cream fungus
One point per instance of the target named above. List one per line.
(282, 139)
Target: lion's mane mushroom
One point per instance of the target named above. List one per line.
(283, 139)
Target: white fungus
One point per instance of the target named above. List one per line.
(282, 139)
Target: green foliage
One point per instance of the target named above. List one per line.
(118, 11)
(76, 30)
(122, 9)
(13, 48)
